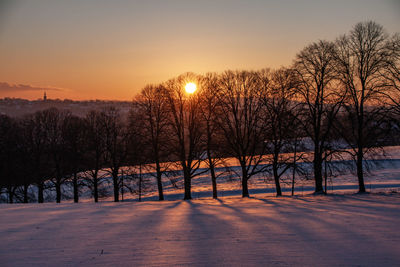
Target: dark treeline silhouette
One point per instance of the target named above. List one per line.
(343, 95)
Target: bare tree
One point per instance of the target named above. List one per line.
(94, 159)
(361, 57)
(243, 121)
(35, 137)
(150, 115)
(24, 158)
(116, 146)
(53, 120)
(186, 127)
(74, 136)
(315, 66)
(281, 120)
(8, 156)
(213, 136)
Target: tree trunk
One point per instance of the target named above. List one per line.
(58, 191)
(140, 186)
(95, 187)
(326, 176)
(40, 192)
(159, 182)
(214, 182)
(76, 191)
(276, 178)
(26, 186)
(360, 172)
(116, 186)
(318, 174)
(10, 195)
(122, 186)
(187, 181)
(210, 162)
(213, 177)
(245, 189)
(360, 146)
(294, 166)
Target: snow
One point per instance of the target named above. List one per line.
(383, 176)
(340, 229)
(333, 230)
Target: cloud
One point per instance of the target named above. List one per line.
(7, 87)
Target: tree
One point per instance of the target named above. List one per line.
(281, 120)
(149, 118)
(213, 136)
(23, 157)
(362, 56)
(94, 160)
(186, 127)
(53, 121)
(242, 120)
(36, 140)
(73, 134)
(315, 68)
(116, 144)
(8, 156)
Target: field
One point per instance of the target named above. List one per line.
(335, 230)
(340, 229)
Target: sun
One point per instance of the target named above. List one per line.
(190, 88)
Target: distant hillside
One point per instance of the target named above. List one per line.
(17, 107)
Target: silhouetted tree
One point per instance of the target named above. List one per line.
(186, 127)
(35, 140)
(150, 115)
(9, 156)
(116, 147)
(94, 159)
(53, 121)
(315, 67)
(36, 137)
(243, 120)
(361, 57)
(23, 158)
(281, 120)
(213, 136)
(73, 134)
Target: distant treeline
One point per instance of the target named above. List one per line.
(343, 95)
(16, 107)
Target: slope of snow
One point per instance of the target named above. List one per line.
(335, 230)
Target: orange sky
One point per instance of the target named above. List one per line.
(111, 49)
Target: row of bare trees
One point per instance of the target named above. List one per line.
(51, 147)
(342, 95)
(347, 87)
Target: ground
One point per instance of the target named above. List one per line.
(335, 230)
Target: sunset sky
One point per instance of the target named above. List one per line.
(91, 49)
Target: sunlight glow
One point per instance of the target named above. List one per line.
(190, 88)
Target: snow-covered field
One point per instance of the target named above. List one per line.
(340, 229)
(335, 230)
